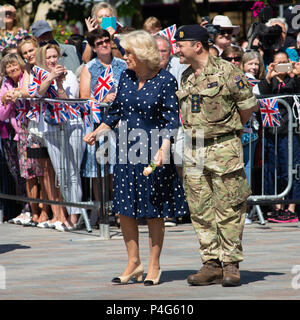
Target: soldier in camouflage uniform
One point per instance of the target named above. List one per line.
(215, 101)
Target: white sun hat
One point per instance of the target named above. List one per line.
(225, 23)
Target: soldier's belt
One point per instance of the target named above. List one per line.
(224, 137)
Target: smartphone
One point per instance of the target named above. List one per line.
(109, 22)
(284, 67)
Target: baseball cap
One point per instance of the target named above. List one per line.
(40, 27)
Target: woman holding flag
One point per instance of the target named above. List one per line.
(99, 81)
(54, 81)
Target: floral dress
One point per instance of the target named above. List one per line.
(10, 39)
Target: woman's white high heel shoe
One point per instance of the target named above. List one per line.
(137, 273)
(152, 282)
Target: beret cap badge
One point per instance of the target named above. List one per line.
(181, 34)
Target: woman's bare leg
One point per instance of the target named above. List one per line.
(130, 232)
(156, 228)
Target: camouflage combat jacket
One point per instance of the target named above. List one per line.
(211, 101)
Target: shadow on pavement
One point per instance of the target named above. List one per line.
(169, 276)
(11, 247)
(253, 276)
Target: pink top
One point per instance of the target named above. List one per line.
(8, 111)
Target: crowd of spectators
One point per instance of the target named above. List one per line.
(30, 155)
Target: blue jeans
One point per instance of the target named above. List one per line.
(249, 159)
(280, 162)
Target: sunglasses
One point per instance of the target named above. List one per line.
(44, 43)
(226, 31)
(9, 13)
(236, 59)
(101, 42)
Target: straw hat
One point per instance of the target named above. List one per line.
(225, 23)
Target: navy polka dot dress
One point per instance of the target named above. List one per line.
(144, 114)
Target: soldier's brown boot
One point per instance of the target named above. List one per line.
(210, 273)
(231, 274)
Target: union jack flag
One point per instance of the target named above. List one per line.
(51, 92)
(34, 112)
(269, 112)
(95, 111)
(21, 110)
(39, 75)
(169, 33)
(104, 84)
(58, 112)
(86, 115)
(252, 82)
(72, 111)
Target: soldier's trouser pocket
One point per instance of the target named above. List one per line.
(235, 187)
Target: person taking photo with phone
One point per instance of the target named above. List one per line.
(279, 81)
(99, 13)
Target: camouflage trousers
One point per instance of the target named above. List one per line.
(217, 201)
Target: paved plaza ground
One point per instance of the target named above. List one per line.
(44, 264)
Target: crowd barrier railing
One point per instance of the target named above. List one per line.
(102, 203)
(256, 200)
(60, 139)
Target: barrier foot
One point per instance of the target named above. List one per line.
(257, 209)
(104, 231)
(86, 221)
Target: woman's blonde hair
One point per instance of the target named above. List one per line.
(41, 54)
(11, 58)
(250, 55)
(103, 5)
(28, 39)
(143, 46)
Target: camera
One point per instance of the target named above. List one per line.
(212, 30)
(269, 37)
(284, 67)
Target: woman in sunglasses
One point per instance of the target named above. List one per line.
(233, 54)
(99, 40)
(11, 34)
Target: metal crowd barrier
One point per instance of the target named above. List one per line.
(256, 200)
(62, 177)
(277, 198)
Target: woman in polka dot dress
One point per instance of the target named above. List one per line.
(146, 109)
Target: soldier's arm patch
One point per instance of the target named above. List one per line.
(240, 84)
